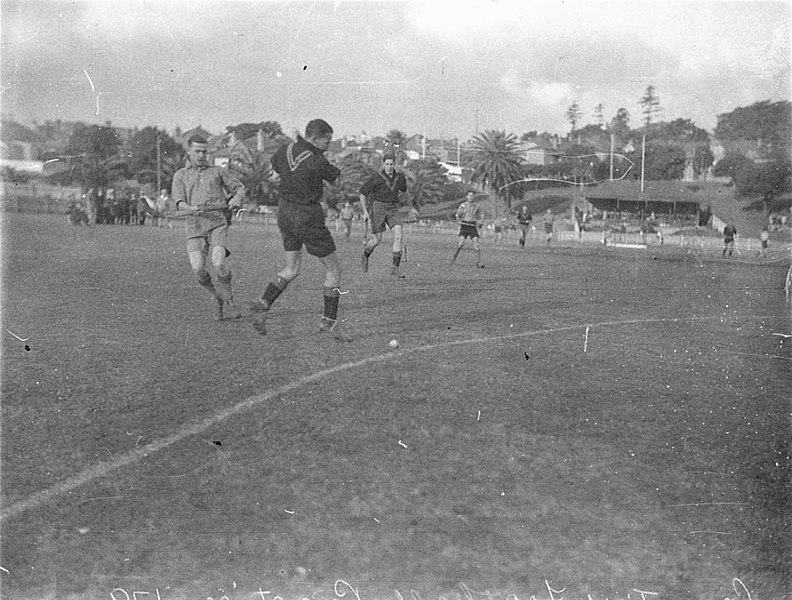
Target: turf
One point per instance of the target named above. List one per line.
(597, 420)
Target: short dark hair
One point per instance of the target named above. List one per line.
(318, 128)
(196, 139)
(388, 156)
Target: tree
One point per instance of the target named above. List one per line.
(620, 126)
(141, 149)
(243, 131)
(395, 141)
(573, 115)
(760, 131)
(495, 163)
(580, 164)
(651, 105)
(96, 156)
(664, 159)
(757, 143)
(355, 170)
(427, 180)
(599, 115)
(685, 137)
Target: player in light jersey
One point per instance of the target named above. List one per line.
(470, 218)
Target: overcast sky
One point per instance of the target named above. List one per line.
(438, 68)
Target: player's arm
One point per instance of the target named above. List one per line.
(179, 194)
(234, 188)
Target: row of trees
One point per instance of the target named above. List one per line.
(756, 140)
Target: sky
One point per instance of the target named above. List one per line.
(442, 69)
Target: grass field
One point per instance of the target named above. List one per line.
(569, 422)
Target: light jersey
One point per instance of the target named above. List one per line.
(469, 213)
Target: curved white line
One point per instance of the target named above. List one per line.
(133, 456)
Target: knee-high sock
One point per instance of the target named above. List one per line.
(331, 296)
(224, 283)
(274, 289)
(205, 281)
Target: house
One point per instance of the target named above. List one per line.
(18, 149)
(542, 151)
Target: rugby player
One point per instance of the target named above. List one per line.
(302, 168)
(382, 190)
(204, 190)
(470, 218)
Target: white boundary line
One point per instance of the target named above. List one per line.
(133, 456)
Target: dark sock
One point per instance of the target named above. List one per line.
(274, 290)
(396, 259)
(205, 281)
(331, 296)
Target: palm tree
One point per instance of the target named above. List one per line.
(395, 142)
(355, 170)
(496, 163)
(427, 181)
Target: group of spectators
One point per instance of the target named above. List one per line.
(111, 207)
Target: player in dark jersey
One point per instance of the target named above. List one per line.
(524, 220)
(729, 233)
(379, 197)
(302, 168)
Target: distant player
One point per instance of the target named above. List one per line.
(729, 233)
(383, 190)
(204, 190)
(470, 218)
(497, 227)
(764, 238)
(548, 225)
(525, 222)
(76, 212)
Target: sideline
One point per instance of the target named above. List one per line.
(133, 456)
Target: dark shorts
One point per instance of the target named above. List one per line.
(302, 225)
(383, 214)
(468, 231)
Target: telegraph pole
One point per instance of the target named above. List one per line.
(159, 175)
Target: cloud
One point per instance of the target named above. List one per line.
(144, 20)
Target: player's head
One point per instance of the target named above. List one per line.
(470, 196)
(197, 149)
(319, 133)
(389, 162)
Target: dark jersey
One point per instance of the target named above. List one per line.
(381, 188)
(524, 218)
(729, 232)
(302, 168)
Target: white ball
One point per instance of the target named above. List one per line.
(394, 344)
